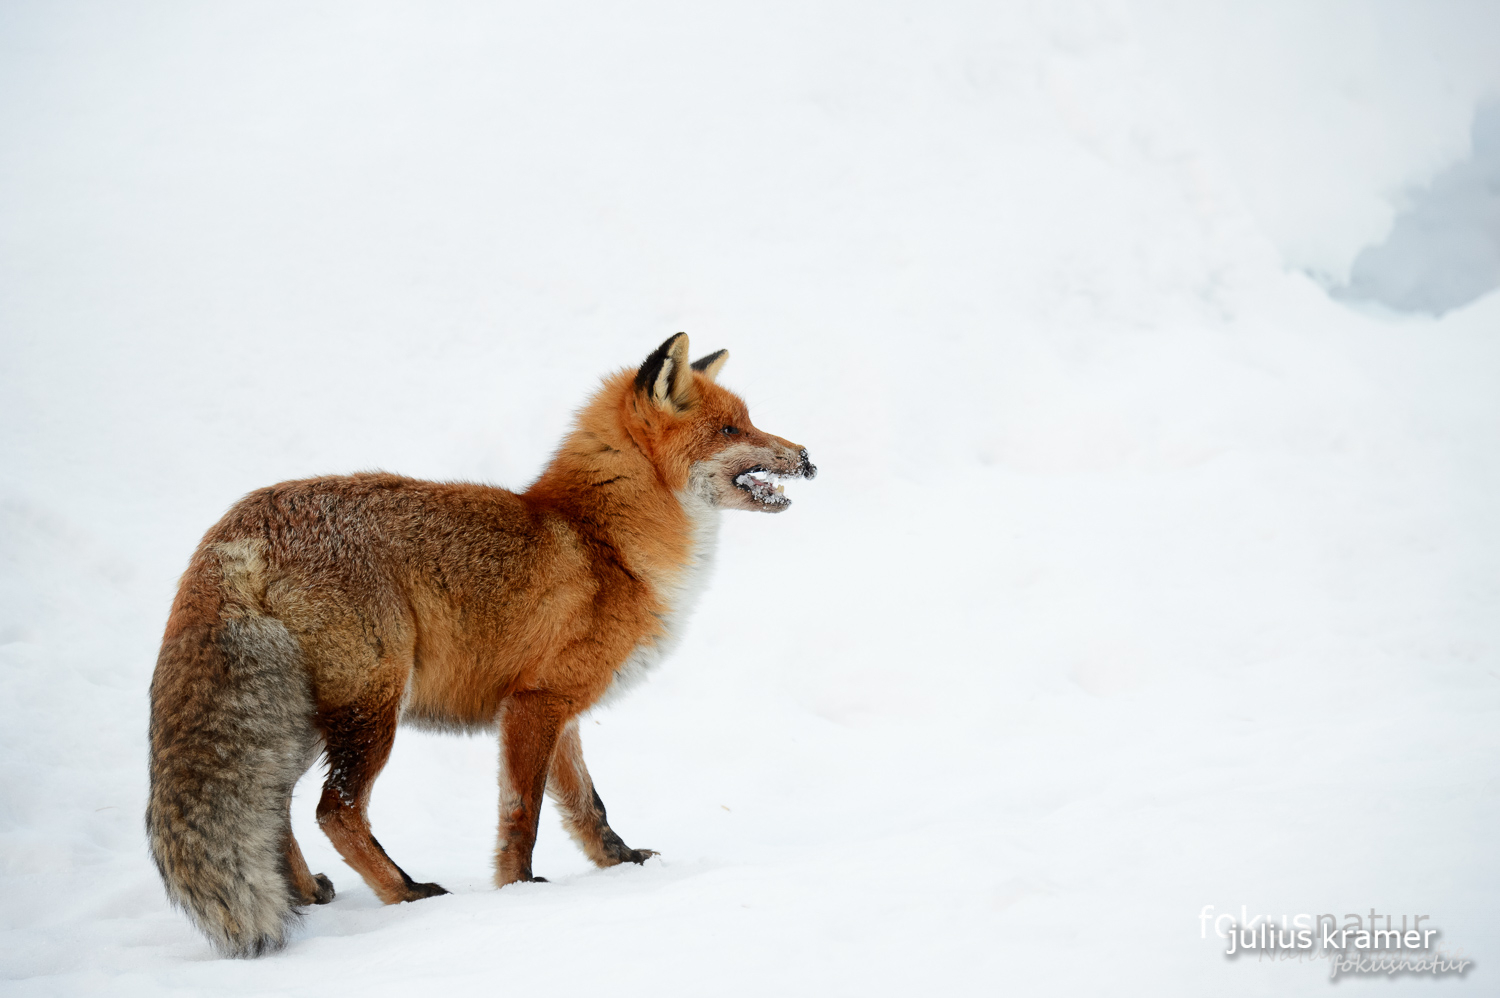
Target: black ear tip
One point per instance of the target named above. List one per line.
(703, 363)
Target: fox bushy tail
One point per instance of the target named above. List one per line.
(231, 732)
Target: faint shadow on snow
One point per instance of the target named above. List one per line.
(1444, 248)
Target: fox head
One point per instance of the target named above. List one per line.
(699, 434)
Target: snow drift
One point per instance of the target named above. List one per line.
(1141, 575)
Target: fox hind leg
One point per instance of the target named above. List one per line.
(571, 788)
(307, 887)
(358, 742)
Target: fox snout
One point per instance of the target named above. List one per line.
(791, 461)
(754, 475)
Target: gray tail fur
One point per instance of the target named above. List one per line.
(231, 732)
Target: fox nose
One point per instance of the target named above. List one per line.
(806, 468)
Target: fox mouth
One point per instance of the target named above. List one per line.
(762, 486)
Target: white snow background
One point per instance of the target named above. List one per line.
(1140, 574)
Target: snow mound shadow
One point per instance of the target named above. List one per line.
(1444, 248)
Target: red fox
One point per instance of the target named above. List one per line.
(319, 614)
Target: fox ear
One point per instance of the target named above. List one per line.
(665, 376)
(709, 366)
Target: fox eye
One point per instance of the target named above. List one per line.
(730, 431)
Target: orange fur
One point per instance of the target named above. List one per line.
(448, 605)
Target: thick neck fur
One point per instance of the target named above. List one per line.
(613, 484)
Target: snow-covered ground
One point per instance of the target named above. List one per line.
(1140, 574)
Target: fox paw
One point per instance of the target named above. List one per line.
(616, 851)
(325, 889)
(416, 892)
(624, 854)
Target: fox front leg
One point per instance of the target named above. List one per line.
(571, 788)
(529, 726)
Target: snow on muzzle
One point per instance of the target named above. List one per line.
(763, 484)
